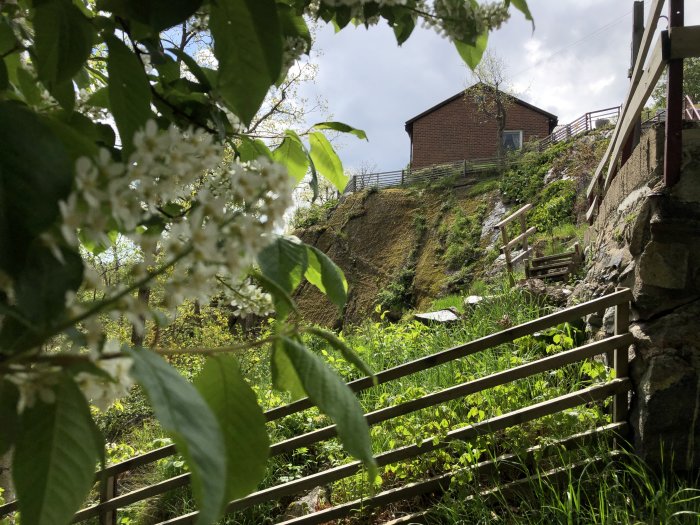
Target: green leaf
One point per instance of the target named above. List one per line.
(292, 154)
(192, 65)
(250, 149)
(340, 345)
(522, 6)
(30, 184)
(326, 160)
(4, 77)
(100, 98)
(7, 37)
(248, 46)
(157, 14)
(343, 128)
(293, 25)
(471, 54)
(187, 418)
(129, 91)
(242, 422)
(283, 301)
(333, 397)
(8, 415)
(29, 87)
(55, 457)
(63, 40)
(41, 286)
(323, 273)
(284, 376)
(284, 261)
(64, 93)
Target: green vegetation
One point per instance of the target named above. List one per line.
(618, 490)
(383, 345)
(307, 216)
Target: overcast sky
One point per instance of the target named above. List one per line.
(575, 61)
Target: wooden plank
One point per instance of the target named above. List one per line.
(132, 497)
(505, 336)
(592, 209)
(523, 236)
(547, 258)
(622, 320)
(637, 72)
(515, 215)
(504, 377)
(524, 255)
(646, 86)
(685, 42)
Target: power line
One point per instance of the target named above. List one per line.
(572, 44)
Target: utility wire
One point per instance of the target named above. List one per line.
(572, 44)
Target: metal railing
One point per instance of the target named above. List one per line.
(586, 122)
(615, 347)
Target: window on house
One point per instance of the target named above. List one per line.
(512, 140)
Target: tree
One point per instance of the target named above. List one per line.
(492, 94)
(110, 127)
(691, 83)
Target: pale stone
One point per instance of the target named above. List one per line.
(664, 265)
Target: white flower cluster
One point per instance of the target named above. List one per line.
(454, 19)
(214, 216)
(33, 383)
(102, 392)
(249, 299)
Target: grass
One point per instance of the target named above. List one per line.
(616, 489)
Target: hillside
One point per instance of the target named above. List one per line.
(401, 248)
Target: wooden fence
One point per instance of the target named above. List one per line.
(649, 63)
(615, 347)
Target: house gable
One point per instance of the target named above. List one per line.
(455, 130)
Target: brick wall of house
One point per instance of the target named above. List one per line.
(458, 131)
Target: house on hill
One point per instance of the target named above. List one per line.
(456, 130)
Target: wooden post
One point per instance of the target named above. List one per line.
(108, 492)
(637, 33)
(673, 147)
(622, 320)
(525, 246)
(402, 177)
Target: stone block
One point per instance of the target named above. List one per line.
(664, 265)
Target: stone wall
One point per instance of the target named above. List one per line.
(647, 238)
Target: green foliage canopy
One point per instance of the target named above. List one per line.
(109, 127)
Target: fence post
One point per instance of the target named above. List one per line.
(673, 147)
(354, 183)
(402, 172)
(621, 364)
(107, 492)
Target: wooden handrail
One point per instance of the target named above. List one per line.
(515, 215)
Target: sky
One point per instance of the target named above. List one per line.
(575, 61)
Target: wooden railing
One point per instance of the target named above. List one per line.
(690, 110)
(615, 347)
(671, 47)
(519, 240)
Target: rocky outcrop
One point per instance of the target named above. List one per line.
(650, 242)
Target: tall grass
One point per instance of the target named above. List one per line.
(610, 488)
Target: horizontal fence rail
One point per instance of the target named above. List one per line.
(615, 346)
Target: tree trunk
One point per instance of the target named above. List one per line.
(6, 477)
